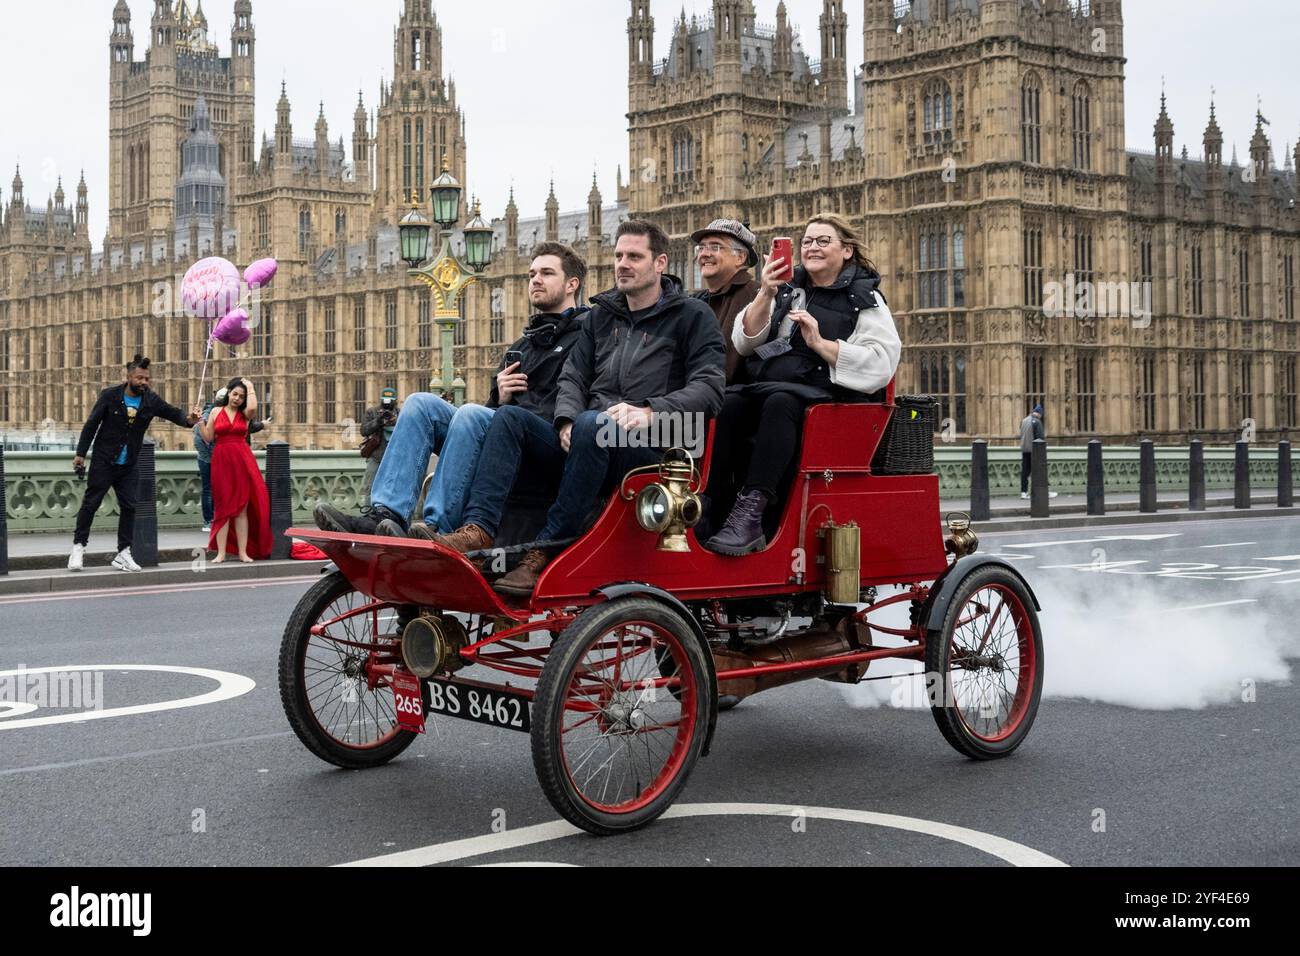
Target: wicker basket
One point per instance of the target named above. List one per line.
(908, 445)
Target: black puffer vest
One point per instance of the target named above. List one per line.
(836, 309)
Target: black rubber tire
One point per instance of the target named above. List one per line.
(937, 651)
(548, 712)
(293, 690)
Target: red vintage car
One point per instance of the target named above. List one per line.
(616, 665)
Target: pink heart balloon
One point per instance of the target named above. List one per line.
(261, 272)
(233, 329)
(210, 289)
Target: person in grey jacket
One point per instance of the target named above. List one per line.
(1031, 429)
(648, 354)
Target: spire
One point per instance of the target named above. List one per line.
(1164, 137)
(552, 215)
(59, 194)
(595, 212)
(1213, 139)
(17, 185)
(283, 126)
(1261, 150)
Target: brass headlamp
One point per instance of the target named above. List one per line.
(669, 506)
(964, 541)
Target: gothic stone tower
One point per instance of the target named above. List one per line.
(705, 116)
(420, 125)
(151, 108)
(995, 162)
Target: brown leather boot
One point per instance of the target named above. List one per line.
(522, 580)
(466, 539)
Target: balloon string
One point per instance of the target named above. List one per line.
(204, 376)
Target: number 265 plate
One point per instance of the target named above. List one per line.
(481, 703)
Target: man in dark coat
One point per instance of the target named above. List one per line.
(726, 251)
(117, 427)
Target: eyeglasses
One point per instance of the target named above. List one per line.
(716, 248)
(821, 242)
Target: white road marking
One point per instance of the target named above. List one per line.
(1204, 607)
(1283, 557)
(1238, 544)
(1016, 854)
(228, 686)
(156, 590)
(1090, 566)
(1117, 537)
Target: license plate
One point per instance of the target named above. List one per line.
(409, 702)
(480, 703)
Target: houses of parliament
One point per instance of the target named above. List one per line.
(980, 148)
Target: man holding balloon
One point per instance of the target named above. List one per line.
(117, 427)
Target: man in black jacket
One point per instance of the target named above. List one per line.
(648, 356)
(525, 385)
(117, 426)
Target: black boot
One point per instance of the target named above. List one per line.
(743, 532)
(329, 518)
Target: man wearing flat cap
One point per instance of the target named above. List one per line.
(726, 252)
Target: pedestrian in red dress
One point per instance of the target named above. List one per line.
(239, 494)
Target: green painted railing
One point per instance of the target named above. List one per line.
(42, 494)
(1067, 469)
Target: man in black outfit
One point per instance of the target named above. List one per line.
(117, 427)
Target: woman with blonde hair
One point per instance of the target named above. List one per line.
(819, 333)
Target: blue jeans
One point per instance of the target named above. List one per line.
(522, 451)
(430, 426)
(588, 472)
(205, 475)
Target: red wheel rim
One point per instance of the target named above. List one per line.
(992, 663)
(623, 736)
(333, 674)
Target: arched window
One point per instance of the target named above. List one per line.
(1082, 126)
(683, 157)
(340, 225)
(937, 112)
(406, 160)
(263, 228)
(1031, 101)
(304, 229)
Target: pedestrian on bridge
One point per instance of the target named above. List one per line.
(117, 427)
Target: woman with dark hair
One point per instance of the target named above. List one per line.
(239, 494)
(822, 334)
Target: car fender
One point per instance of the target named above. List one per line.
(611, 592)
(941, 594)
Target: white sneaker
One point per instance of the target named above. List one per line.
(207, 529)
(1024, 496)
(124, 562)
(1053, 494)
(77, 560)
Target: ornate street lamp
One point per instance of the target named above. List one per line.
(414, 231)
(446, 276)
(478, 241)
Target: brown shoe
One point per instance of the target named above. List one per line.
(522, 580)
(466, 539)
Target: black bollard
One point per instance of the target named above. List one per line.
(1285, 490)
(1196, 477)
(1038, 500)
(4, 522)
(1147, 503)
(144, 544)
(280, 485)
(1241, 495)
(979, 481)
(1096, 480)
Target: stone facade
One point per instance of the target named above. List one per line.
(980, 148)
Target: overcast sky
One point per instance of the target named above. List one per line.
(543, 84)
